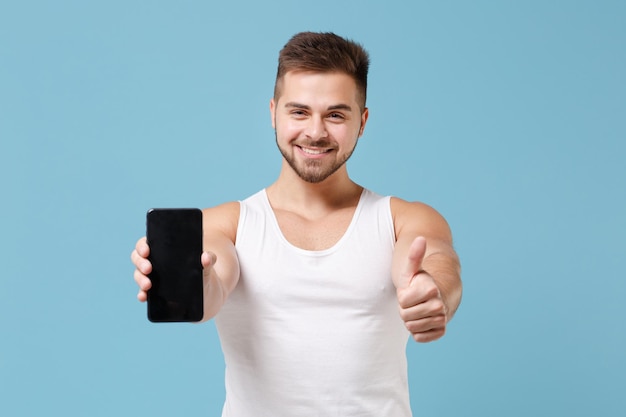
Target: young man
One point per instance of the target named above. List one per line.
(314, 281)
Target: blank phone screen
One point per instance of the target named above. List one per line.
(175, 240)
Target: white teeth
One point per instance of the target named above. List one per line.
(313, 151)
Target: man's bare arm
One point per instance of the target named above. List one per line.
(425, 270)
(221, 266)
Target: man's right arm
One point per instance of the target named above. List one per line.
(219, 259)
(221, 266)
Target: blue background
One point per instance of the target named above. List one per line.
(508, 117)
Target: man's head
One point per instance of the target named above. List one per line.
(324, 52)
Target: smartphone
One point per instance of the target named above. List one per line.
(175, 240)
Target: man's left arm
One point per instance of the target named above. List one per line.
(425, 270)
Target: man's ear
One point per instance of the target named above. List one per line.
(364, 116)
(273, 112)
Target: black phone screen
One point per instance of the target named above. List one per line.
(175, 240)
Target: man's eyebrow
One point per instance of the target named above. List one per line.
(295, 105)
(340, 107)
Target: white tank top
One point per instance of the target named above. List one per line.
(314, 333)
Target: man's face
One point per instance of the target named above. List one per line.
(318, 122)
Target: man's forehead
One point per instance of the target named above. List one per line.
(298, 74)
(336, 87)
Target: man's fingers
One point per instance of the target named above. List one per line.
(426, 325)
(142, 247)
(139, 256)
(142, 296)
(422, 288)
(431, 308)
(142, 264)
(429, 335)
(422, 309)
(426, 322)
(143, 267)
(143, 282)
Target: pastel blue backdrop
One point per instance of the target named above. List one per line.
(506, 116)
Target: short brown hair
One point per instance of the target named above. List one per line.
(324, 52)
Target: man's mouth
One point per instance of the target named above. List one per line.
(314, 151)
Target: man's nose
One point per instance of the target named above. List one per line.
(316, 129)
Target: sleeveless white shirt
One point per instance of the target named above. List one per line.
(314, 333)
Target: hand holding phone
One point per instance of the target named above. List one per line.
(175, 240)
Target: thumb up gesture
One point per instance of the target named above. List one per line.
(421, 305)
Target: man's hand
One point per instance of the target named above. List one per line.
(143, 267)
(421, 305)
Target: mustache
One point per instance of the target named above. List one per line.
(316, 144)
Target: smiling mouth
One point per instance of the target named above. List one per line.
(313, 151)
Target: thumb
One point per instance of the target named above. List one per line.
(208, 259)
(414, 258)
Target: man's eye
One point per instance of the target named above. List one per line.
(336, 116)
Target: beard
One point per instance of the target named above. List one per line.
(314, 170)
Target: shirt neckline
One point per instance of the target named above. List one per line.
(317, 253)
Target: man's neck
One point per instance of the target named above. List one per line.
(293, 194)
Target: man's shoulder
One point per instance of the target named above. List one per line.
(226, 215)
(222, 218)
(223, 210)
(403, 207)
(416, 217)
